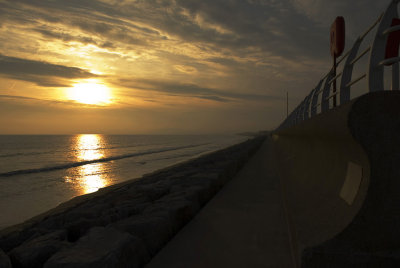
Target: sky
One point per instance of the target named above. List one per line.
(164, 67)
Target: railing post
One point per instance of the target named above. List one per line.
(325, 93)
(291, 119)
(314, 101)
(395, 76)
(294, 120)
(299, 117)
(347, 73)
(375, 70)
(300, 112)
(303, 109)
(306, 111)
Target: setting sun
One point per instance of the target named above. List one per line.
(90, 92)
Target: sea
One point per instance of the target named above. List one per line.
(38, 172)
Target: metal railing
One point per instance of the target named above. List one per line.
(322, 95)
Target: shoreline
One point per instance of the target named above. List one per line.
(62, 177)
(165, 199)
(76, 200)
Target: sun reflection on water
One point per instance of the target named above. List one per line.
(89, 147)
(90, 176)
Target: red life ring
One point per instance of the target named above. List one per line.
(337, 37)
(393, 42)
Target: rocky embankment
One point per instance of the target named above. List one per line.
(123, 225)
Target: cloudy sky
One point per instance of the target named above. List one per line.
(164, 66)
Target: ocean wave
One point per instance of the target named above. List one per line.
(86, 162)
(23, 154)
(71, 150)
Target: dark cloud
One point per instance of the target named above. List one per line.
(238, 26)
(289, 28)
(57, 20)
(41, 73)
(230, 25)
(17, 97)
(213, 98)
(63, 36)
(192, 90)
(23, 100)
(111, 32)
(223, 61)
(23, 105)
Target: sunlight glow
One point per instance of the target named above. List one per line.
(90, 92)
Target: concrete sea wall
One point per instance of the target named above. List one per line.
(341, 177)
(123, 225)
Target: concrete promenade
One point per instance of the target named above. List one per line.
(323, 193)
(244, 225)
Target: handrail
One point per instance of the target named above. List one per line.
(333, 95)
(343, 57)
(391, 29)
(361, 54)
(356, 80)
(372, 26)
(389, 61)
(322, 95)
(334, 78)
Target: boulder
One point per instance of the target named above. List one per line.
(17, 237)
(4, 260)
(102, 247)
(35, 252)
(89, 210)
(179, 209)
(79, 227)
(53, 222)
(155, 230)
(127, 209)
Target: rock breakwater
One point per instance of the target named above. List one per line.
(123, 225)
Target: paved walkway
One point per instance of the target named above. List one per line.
(244, 225)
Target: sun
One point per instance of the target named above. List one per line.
(90, 92)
